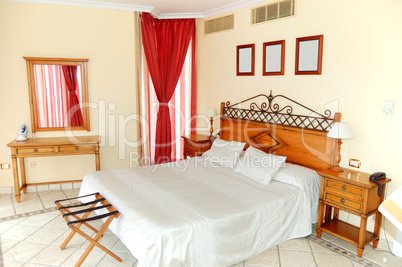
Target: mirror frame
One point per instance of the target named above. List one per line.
(31, 61)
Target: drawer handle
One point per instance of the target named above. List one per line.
(76, 148)
(190, 152)
(343, 187)
(35, 150)
(342, 201)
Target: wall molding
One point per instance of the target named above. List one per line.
(152, 10)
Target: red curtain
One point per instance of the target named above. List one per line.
(74, 110)
(165, 45)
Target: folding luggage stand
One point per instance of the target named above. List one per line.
(99, 203)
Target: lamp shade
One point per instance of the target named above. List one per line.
(340, 130)
(211, 112)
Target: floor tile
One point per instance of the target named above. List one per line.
(6, 244)
(8, 263)
(299, 244)
(5, 227)
(267, 258)
(332, 260)
(93, 259)
(52, 255)
(76, 242)
(320, 249)
(57, 222)
(107, 240)
(120, 247)
(6, 207)
(71, 192)
(45, 235)
(23, 251)
(108, 261)
(290, 258)
(349, 246)
(19, 232)
(39, 220)
(378, 256)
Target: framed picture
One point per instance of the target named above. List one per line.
(245, 60)
(309, 55)
(273, 58)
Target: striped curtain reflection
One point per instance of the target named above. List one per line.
(52, 95)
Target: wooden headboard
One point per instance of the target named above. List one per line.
(275, 129)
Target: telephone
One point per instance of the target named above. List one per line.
(375, 177)
(22, 133)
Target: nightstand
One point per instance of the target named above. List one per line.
(353, 192)
(196, 144)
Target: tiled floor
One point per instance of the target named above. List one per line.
(32, 231)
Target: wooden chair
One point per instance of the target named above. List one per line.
(99, 203)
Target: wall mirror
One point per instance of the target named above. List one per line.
(245, 60)
(274, 58)
(309, 55)
(58, 93)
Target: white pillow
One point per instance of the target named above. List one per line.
(224, 153)
(259, 166)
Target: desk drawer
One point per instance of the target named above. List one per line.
(343, 202)
(35, 150)
(344, 188)
(73, 149)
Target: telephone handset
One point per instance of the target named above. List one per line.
(22, 133)
(375, 177)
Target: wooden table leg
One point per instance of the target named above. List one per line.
(377, 227)
(362, 236)
(97, 160)
(320, 219)
(328, 213)
(16, 179)
(23, 179)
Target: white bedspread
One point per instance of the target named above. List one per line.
(203, 215)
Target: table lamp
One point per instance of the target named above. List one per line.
(339, 131)
(211, 113)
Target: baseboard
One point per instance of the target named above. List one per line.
(41, 188)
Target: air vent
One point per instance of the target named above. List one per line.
(219, 24)
(273, 11)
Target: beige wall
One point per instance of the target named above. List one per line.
(361, 68)
(106, 38)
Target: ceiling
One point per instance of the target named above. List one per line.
(160, 8)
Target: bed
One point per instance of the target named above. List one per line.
(195, 212)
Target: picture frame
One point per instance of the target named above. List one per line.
(309, 55)
(245, 60)
(273, 58)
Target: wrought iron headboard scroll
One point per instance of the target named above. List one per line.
(273, 113)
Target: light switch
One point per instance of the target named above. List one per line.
(388, 107)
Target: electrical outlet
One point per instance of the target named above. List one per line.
(5, 166)
(388, 107)
(355, 163)
(33, 164)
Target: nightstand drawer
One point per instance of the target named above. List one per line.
(344, 202)
(344, 188)
(192, 153)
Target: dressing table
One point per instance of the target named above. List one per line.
(49, 147)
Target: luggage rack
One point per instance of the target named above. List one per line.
(99, 203)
